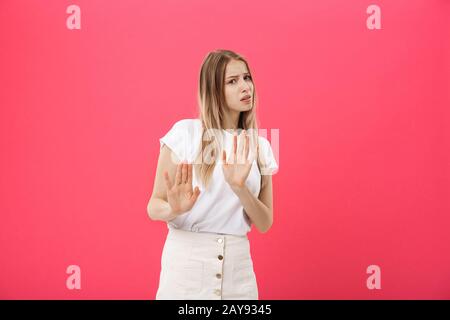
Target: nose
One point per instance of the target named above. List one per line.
(245, 85)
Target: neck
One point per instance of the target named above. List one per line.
(231, 119)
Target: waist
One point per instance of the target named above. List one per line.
(186, 236)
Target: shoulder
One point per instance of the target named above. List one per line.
(185, 128)
(182, 137)
(268, 156)
(190, 125)
(264, 144)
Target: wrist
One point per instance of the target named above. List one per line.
(170, 213)
(238, 189)
(171, 216)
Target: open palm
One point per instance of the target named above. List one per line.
(237, 168)
(180, 195)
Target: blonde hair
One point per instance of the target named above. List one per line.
(212, 105)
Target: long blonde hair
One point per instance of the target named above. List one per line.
(212, 105)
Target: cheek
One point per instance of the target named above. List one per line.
(230, 95)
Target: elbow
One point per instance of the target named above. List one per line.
(149, 213)
(267, 227)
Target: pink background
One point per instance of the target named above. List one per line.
(364, 141)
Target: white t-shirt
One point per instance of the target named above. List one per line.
(217, 209)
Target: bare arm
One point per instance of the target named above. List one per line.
(236, 171)
(158, 208)
(259, 210)
(172, 191)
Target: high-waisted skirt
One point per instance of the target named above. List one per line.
(206, 266)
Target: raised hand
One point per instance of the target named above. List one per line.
(237, 168)
(180, 195)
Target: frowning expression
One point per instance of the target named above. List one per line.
(238, 86)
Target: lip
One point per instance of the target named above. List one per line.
(246, 98)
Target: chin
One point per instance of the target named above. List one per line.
(249, 107)
(242, 108)
(245, 109)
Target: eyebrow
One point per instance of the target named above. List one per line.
(246, 73)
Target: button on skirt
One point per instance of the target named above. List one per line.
(206, 266)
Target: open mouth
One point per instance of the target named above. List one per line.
(246, 99)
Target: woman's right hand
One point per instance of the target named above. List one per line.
(180, 195)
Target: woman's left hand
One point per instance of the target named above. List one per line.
(237, 168)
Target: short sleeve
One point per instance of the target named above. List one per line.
(180, 139)
(269, 163)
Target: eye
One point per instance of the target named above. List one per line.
(246, 77)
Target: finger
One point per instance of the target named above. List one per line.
(257, 151)
(247, 147)
(195, 194)
(240, 156)
(184, 173)
(253, 155)
(167, 180)
(224, 157)
(189, 179)
(254, 152)
(233, 153)
(178, 174)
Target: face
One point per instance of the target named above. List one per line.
(238, 86)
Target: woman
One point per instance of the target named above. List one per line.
(207, 253)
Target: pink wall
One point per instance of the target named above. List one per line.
(364, 141)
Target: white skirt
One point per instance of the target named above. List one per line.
(206, 266)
